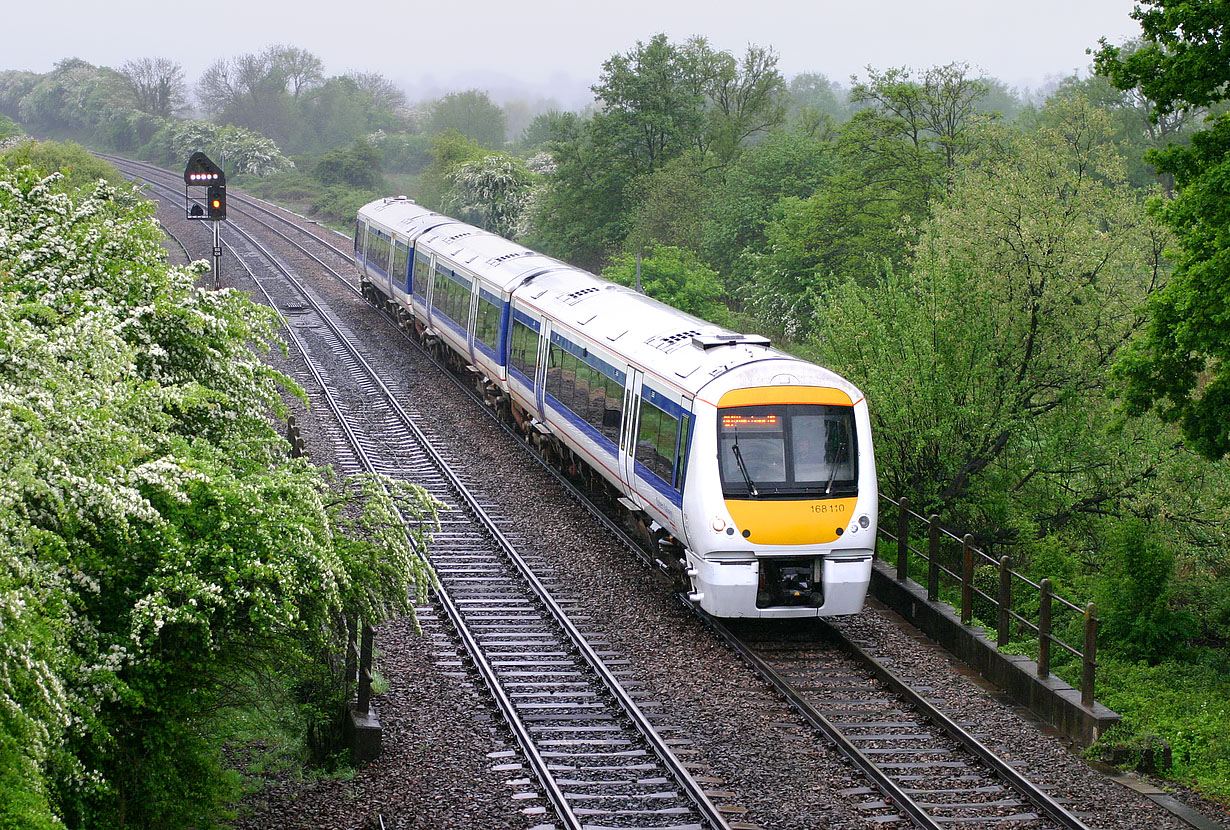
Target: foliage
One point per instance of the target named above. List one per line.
(341, 110)
(282, 93)
(449, 151)
(989, 360)
(157, 85)
(787, 164)
(402, 152)
(236, 149)
(886, 167)
(78, 166)
(674, 276)
(489, 192)
(1179, 367)
(1182, 60)
(813, 98)
(659, 102)
(356, 166)
(472, 114)
(1186, 704)
(156, 543)
(15, 84)
(917, 129)
(1135, 596)
(671, 206)
(9, 129)
(1137, 125)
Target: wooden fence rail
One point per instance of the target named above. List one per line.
(940, 541)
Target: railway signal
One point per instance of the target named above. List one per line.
(201, 172)
(215, 201)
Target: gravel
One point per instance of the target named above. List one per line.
(745, 744)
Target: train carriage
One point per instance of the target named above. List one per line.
(751, 469)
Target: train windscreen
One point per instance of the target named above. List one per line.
(788, 451)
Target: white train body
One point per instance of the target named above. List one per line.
(752, 467)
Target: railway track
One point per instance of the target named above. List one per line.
(925, 766)
(598, 758)
(922, 768)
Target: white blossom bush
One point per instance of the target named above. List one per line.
(156, 543)
(236, 149)
(489, 192)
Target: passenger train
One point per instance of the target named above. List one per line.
(749, 470)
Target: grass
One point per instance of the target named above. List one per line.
(1185, 704)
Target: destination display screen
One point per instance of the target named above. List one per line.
(751, 423)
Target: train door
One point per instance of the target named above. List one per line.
(627, 431)
(540, 373)
(429, 288)
(471, 318)
(359, 253)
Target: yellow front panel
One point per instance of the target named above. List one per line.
(756, 395)
(772, 522)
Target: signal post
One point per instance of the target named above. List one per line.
(203, 173)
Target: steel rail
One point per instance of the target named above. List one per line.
(1012, 776)
(707, 809)
(1053, 809)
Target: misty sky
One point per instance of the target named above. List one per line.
(556, 47)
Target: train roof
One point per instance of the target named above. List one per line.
(683, 349)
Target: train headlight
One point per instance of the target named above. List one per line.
(718, 524)
(864, 521)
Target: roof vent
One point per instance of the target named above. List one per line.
(576, 296)
(669, 342)
(505, 257)
(712, 341)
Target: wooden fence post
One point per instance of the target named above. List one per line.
(1090, 661)
(1044, 630)
(967, 580)
(933, 554)
(1005, 603)
(903, 539)
(365, 669)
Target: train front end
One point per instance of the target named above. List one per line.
(784, 524)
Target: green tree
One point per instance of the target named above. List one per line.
(1181, 61)
(489, 192)
(1136, 598)
(15, 85)
(159, 552)
(674, 276)
(921, 127)
(814, 93)
(658, 102)
(448, 151)
(890, 162)
(787, 164)
(671, 206)
(78, 166)
(472, 114)
(158, 85)
(356, 166)
(250, 91)
(1179, 367)
(989, 361)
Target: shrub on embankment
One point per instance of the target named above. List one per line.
(160, 555)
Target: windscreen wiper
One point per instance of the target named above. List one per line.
(743, 468)
(842, 447)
